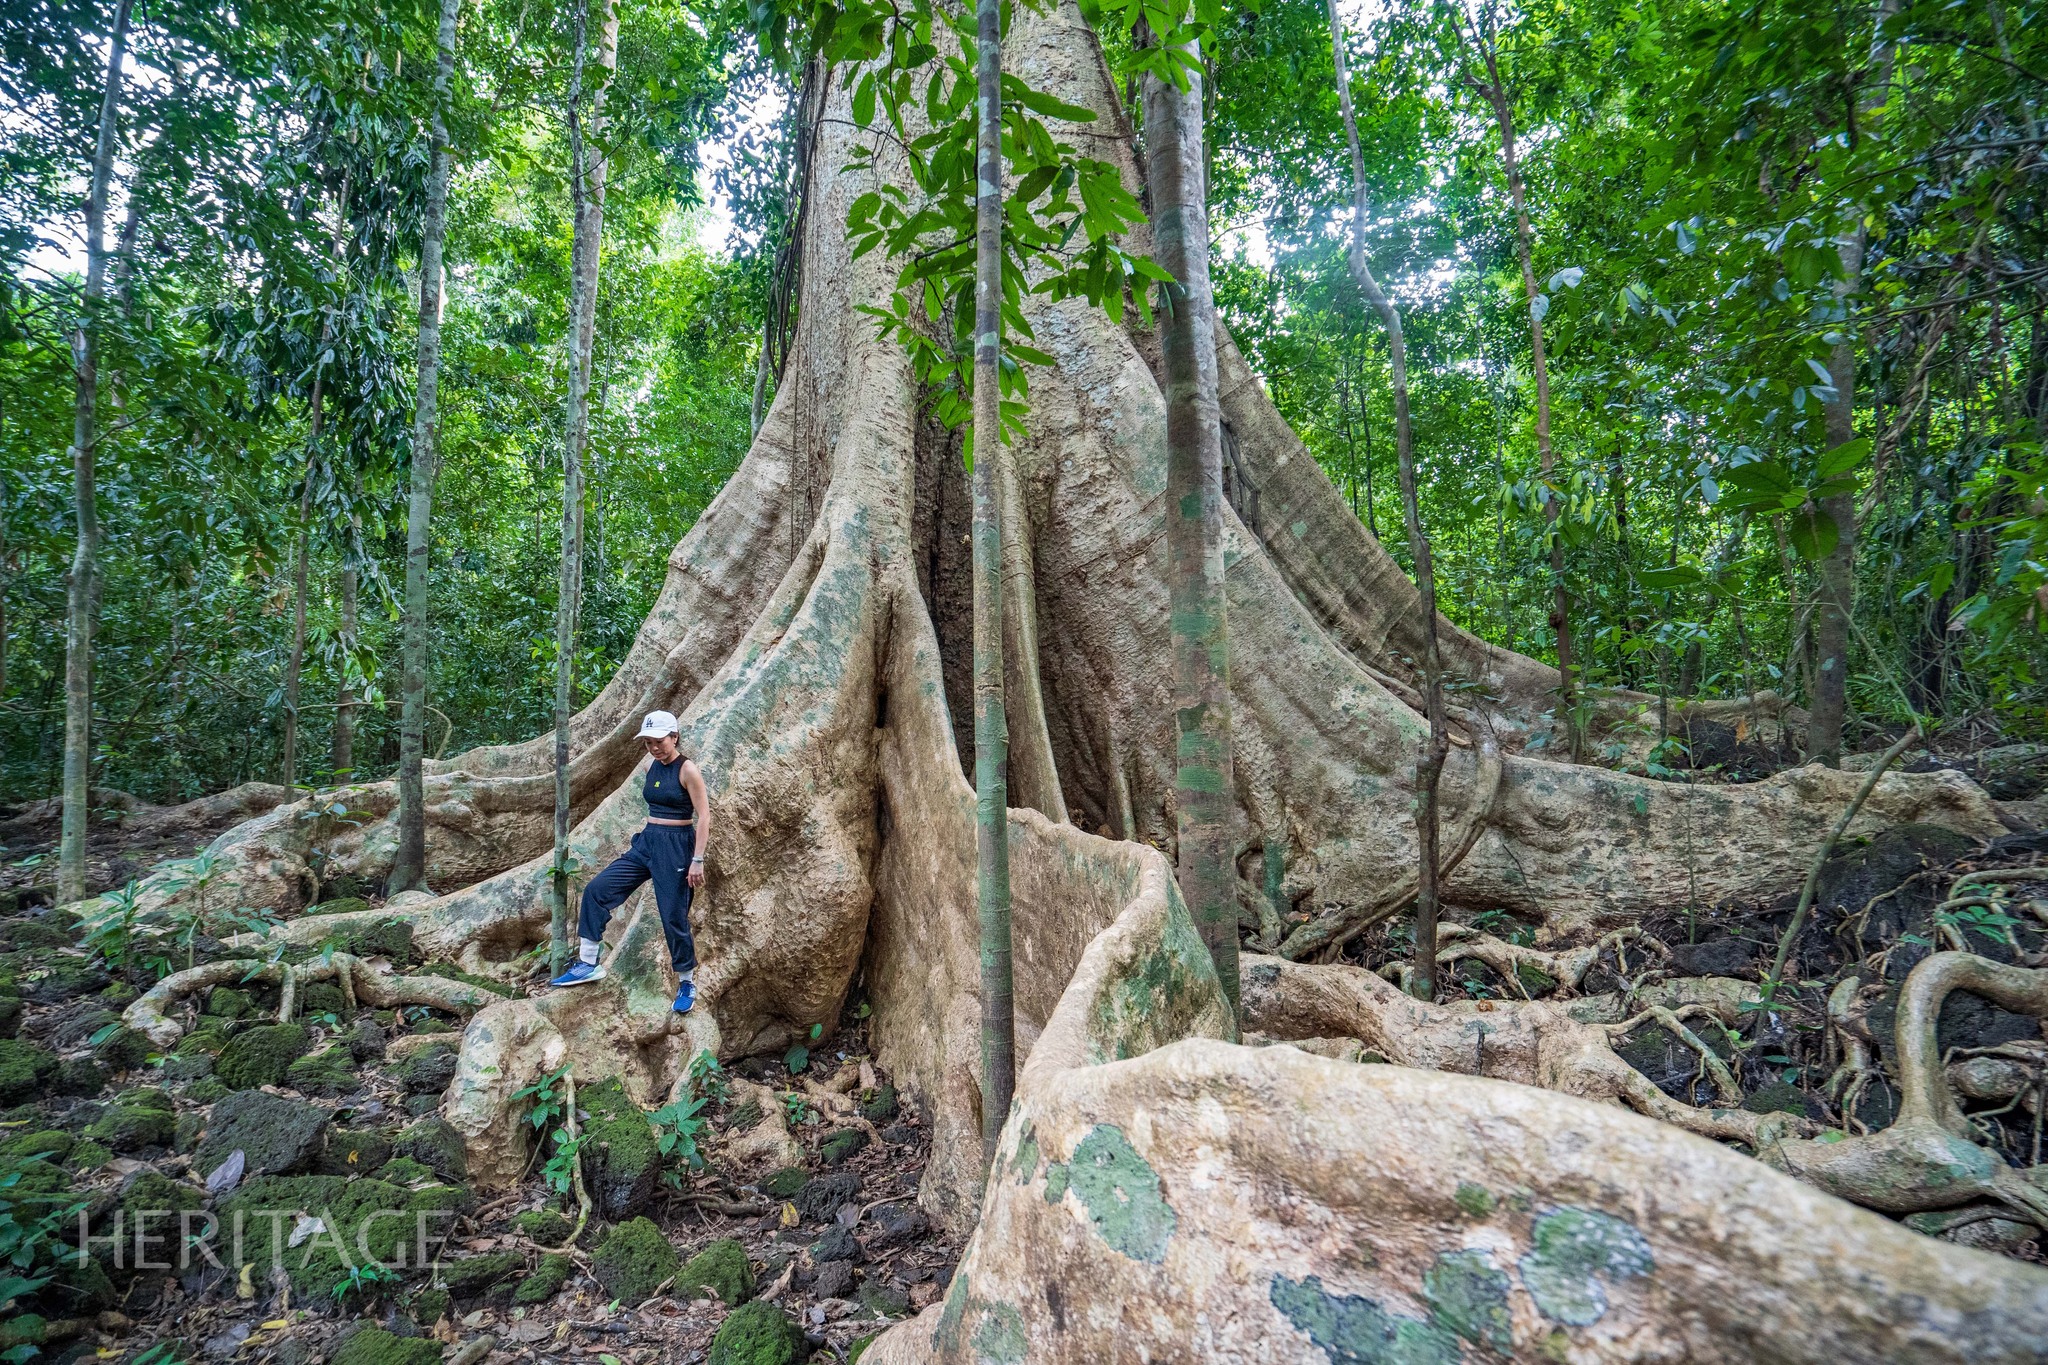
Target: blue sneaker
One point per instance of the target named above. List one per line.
(582, 974)
(686, 997)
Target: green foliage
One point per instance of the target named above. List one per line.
(37, 1207)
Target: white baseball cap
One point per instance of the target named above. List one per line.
(657, 724)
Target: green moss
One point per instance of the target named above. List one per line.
(545, 1226)
(784, 1184)
(722, 1267)
(80, 1076)
(1475, 1201)
(357, 1216)
(130, 1128)
(546, 1281)
(322, 997)
(841, 1145)
(1359, 1331)
(744, 1117)
(88, 1156)
(375, 1346)
(426, 1070)
(262, 1056)
(429, 1306)
(1470, 1297)
(1571, 1251)
(187, 1066)
(149, 1191)
(51, 1143)
(474, 1274)
(633, 1261)
(621, 1157)
(228, 1003)
(355, 1151)
(435, 1144)
(1777, 1097)
(403, 1170)
(330, 1071)
(758, 1333)
(1123, 1194)
(10, 1015)
(26, 1071)
(390, 938)
(346, 905)
(206, 1090)
(880, 1296)
(449, 972)
(277, 1135)
(879, 1105)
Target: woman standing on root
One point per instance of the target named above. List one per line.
(669, 851)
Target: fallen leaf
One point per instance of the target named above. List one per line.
(307, 1226)
(789, 1216)
(245, 1287)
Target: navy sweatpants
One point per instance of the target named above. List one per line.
(661, 854)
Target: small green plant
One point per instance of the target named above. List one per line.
(675, 1131)
(559, 1171)
(796, 1109)
(31, 1230)
(365, 1280)
(799, 1057)
(546, 1097)
(1989, 920)
(109, 933)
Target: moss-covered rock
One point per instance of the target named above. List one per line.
(366, 1040)
(51, 1143)
(322, 997)
(153, 1194)
(426, 1070)
(125, 1049)
(784, 1184)
(633, 1261)
(356, 1151)
(1777, 1097)
(330, 1071)
(879, 1104)
(187, 1066)
(10, 1015)
(840, 1145)
(403, 1170)
(80, 1076)
(226, 1002)
(545, 1282)
(545, 1226)
(344, 905)
(473, 1275)
(53, 980)
(758, 1333)
(120, 994)
(262, 1056)
(132, 1128)
(206, 1090)
(621, 1157)
(389, 938)
(87, 1157)
(435, 1144)
(277, 1135)
(821, 1197)
(429, 1306)
(880, 1296)
(191, 1127)
(26, 1071)
(357, 1215)
(80, 1288)
(375, 1346)
(722, 1268)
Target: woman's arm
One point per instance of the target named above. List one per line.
(693, 783)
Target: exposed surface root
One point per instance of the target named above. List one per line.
(359, 981)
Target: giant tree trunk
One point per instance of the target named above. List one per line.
(82, 598)
(409, 864)
(814, 636)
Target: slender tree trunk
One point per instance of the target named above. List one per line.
(586, 188)
(1560, 600)
(82, 604)
(316, 416)
(409, 866)
(1205, 783)
(342, 754)
(1429, 768)
(991, 723)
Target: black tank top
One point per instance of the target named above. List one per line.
(667, 797)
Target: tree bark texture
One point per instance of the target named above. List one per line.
(1204, 784)
(409, 865)
(81, 611)
(991, 725)
(1429, 768)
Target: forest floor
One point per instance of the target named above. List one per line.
(240, 1131)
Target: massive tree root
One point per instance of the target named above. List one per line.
(813, 636)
